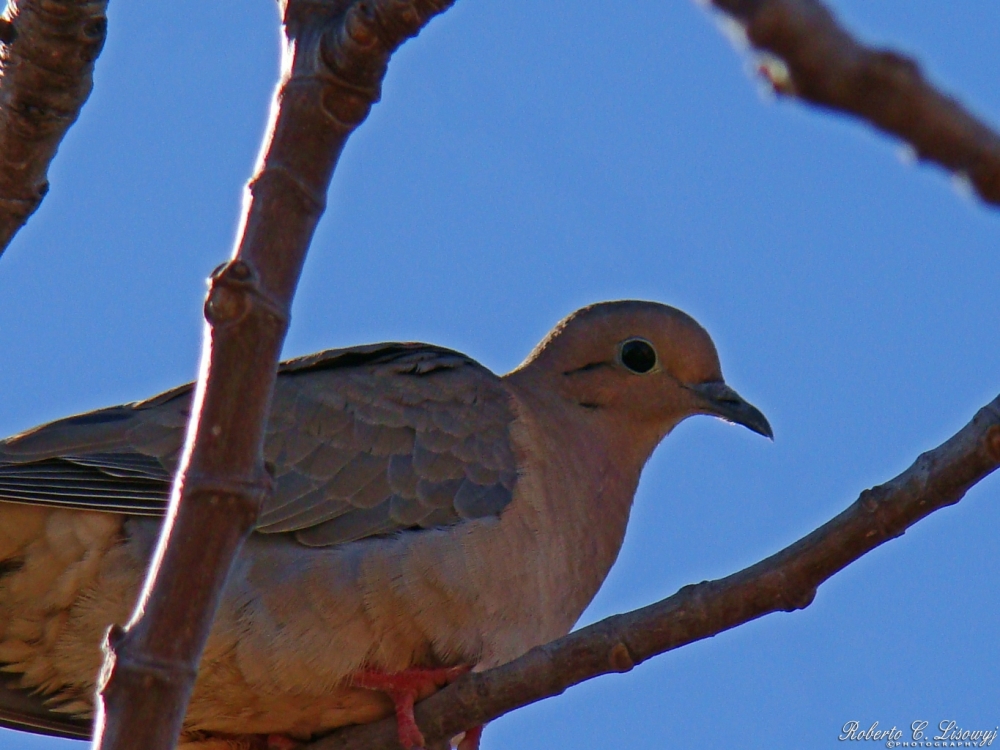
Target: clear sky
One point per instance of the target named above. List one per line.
(529, 158)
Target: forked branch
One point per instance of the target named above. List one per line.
(783, 582)
(336, 54)
(819, 62)
(47, 54)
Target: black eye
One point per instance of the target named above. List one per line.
(638, 355)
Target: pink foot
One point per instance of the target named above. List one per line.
(404, 688)
(471, 739)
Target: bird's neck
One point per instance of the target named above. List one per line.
(585, 470)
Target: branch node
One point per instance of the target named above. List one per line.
(871, 499)
(8, 32)
(96, 29)
(774, 70)
(112, 640)
(143, 670)
(795, 599)
(356, 50)
(95, 33)
(344, 104)
(114, 636)
(351, 65)
(358, 30)
(234, 290)
(993, 442)
(690, 590)
(620, 658)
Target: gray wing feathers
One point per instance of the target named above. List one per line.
(362, 441)
(96, 481)
(404, 441)
(119, 459)
(28, 711)
(153, 428)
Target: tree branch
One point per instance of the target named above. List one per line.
(47, 54)
(783, 582)
(818, 61)
(336, 53)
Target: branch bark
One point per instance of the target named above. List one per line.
(783, 582)
(47, 54)
(819, 62)
(336, 53)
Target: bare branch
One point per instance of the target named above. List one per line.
(336, 55)
(783, 582)
(47, 54)
(822, 64)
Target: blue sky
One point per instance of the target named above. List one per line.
(530, 158)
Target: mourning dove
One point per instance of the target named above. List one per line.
(428, 517)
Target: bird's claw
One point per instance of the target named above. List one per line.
(404, 688)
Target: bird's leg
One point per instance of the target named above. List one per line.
(471, 739)
(404, 688)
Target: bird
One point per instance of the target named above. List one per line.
(428, 517)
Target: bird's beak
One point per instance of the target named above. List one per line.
(720, 400)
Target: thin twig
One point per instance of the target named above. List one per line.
(783, 582)
(336, 55)
(818, 61)
(47, 54)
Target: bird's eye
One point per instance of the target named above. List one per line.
(638, 355)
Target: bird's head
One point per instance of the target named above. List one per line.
(645, 364)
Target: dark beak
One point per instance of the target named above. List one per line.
(719, 400)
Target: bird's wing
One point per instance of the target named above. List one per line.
(28, 711)
(376, 439)
(362, 441)
(120, 459)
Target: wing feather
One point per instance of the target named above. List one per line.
(27, 711)
(364, 441)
